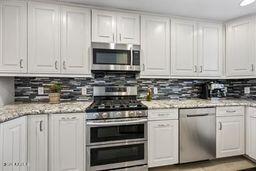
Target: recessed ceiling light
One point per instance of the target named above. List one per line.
(246, 2)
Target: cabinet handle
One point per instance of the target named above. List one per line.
(143, 67)
(113, 36)
(195, 68)
(41, 126)
(64, 65)
(220, 126)
(120, 37)
(56, 65)
(201, 69)
(230, 111)
(164, 125)
(252, 67)
(21, 63)
(68, 118)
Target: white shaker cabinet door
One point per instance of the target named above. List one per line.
(210, 61)
(75, 40)
(230, 136)
(184, 48)
(13, 145)
(13, 36)
(67, 142)
(38, 143)
(163, 143)
(103, 26)
(155, 46)
(240, 60)
(44, 38)
(251, 132)
(128, 28)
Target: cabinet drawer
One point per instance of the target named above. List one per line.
(230, 111)
(162, 114)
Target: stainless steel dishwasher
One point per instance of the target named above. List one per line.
(197, 134)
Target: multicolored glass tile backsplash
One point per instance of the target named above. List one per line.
(26, 88)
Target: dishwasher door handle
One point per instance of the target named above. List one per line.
(199, 115)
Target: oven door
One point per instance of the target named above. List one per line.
(117, 131)
(113, 59)
(113, 156)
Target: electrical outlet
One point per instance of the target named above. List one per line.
(84, 91)
(40, 90)
(155, 90)
(247, 90)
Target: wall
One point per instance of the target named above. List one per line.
(26, 88)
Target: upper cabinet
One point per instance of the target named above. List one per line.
(114, 27)
(196, 48)
(43, 38)
(210, 49)
(13, 37)
(240, 57)
(75, 40)
(184, 48)
(155, 46)
(59, 39)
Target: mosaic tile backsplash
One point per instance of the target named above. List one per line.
(26, 88)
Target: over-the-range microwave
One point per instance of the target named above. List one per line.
(115, 57)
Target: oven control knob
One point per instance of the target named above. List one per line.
(104, 115)
(96, 116)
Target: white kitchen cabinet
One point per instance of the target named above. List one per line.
(196, 48)
(43, 38)
(38, 143)
(128, 28)
(163, 137)
(103, 26)
(113, 27)
(251, 132)
(184, 47)
(67, 142)
(13, 145)
(230, 136)
(13, 37)
(75, 40)
(240, 60)
(210, 60)
(155, 46)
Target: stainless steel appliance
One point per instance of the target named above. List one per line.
(197, 134)
(115, 57)
(116, 127)
(213, 90)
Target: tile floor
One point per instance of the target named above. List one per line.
(226, 164)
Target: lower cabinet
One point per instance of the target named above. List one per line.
(13, 145)
(230, 135)
(67, 142)
(38, 143)
(162, 140)
(251, 132)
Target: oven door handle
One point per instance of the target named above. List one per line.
(117, 123)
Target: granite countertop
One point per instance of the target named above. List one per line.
(165, 104)
(15, 110)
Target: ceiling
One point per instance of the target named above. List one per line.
(207, 9)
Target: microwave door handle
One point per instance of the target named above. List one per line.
(117, 123)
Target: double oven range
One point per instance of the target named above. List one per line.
(116, 128)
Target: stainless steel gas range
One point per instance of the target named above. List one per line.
(116, 130)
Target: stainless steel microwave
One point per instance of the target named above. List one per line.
(117, 58)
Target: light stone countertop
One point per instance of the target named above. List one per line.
(13, 111)
(16, 110)
(166, 104)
